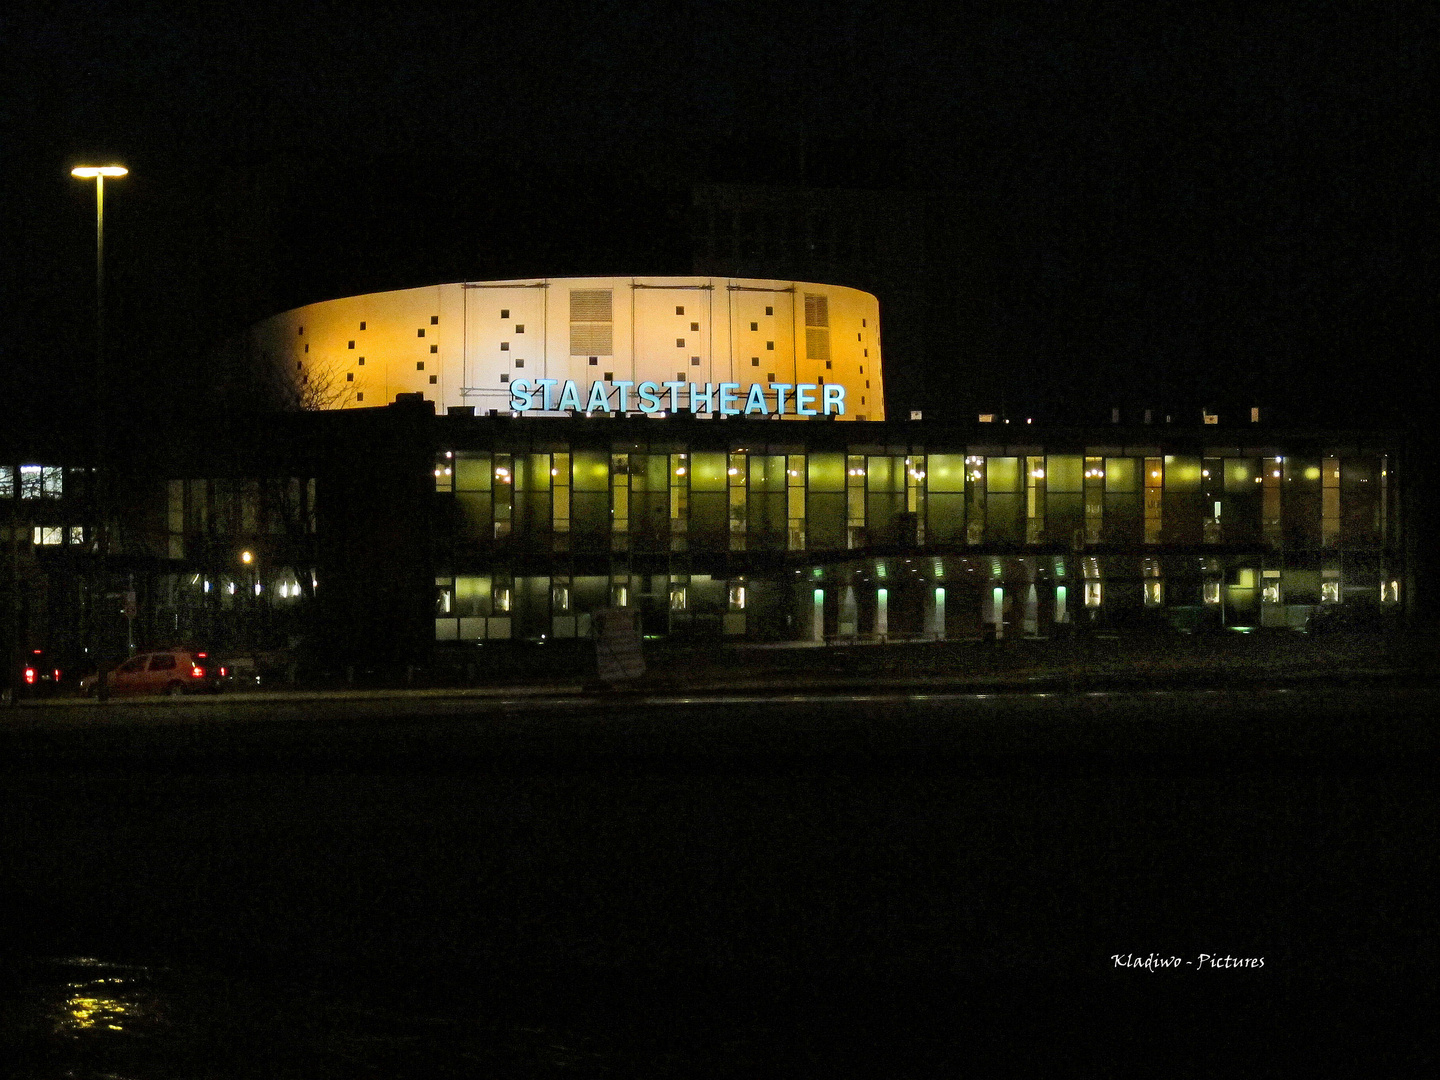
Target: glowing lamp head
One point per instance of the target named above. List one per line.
(90, 172)
(247, 557)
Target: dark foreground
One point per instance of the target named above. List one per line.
(722, 888)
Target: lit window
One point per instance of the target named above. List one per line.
(502, 598)
(1092, 593)
(77, 534)
(1212, 592)
(7, 482)
(679, 597)
(1154, 593)
(560, 599)
(29, 481)
(49, 534)
(1330, 592)
(737, 596)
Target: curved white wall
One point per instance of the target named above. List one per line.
(465, 343)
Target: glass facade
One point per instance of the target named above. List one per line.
(741, 539)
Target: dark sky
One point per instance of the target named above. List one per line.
(1222, 203)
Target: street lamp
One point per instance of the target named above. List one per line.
(98, 173)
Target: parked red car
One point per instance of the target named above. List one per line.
(173, 671)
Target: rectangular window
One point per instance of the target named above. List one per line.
(7, 481)
(30, 481)
(504, 313)
(362, 324)
(679, 342)
(520, 329)
(769, 376)
(594, 361)
(420, 365)
(360, 395)
(349, 376)
(77, 534)
(754, 361)
(420, 332)
(361, 361)
(591, 322)
(504, 378)
(679, 310)
(434, 320)
(352, 344)
(520, 363)
(770, 345)
(434, 348)
(48, 535)
(1154, 499)
(434, 379)
(754, 326)
(769, 311)
(694, 361)
(504, 346)
(694, 326)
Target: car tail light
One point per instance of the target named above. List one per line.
(222, 673)
(30, 676)
(196, 671)
(57, 674)
(202, 655)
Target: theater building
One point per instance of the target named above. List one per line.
(714, 453)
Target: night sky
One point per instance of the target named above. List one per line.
(1182, 206)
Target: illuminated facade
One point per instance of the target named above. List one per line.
(487, 345)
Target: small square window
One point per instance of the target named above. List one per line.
(520, 361)
(679, 376)
(867, 352)
(862, 322)
(420, 332)
(504, 346)
(361, 361)
(520, 328)
(504, 378)
(754, 361)
(297, 365)
(434, 348)
(679, 311)
(822, 380)
(609, 376)
(862, 369)
(360, 395)
(770, 345)
(827, 365)
(420, 365)
(434, 320)
(434, 379)
(349, 376)
(679, 343)
(770, 376)
(594, 360)
(754, 326)
(504, 312)
(362, 324)
(862, 399)
(867, 384)
(769, 311)
(352, 344)
(307, 348)
(694, 326)
(694, 361)
(302, 331)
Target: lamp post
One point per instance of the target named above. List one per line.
(98, 173)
